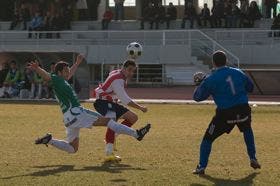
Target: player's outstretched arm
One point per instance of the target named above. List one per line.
(34, 65)
(75, 66)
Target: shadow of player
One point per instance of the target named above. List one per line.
(246, 181)
(55, 170)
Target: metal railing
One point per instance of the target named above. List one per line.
(200, 45)
(244, 38)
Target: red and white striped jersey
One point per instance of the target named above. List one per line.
(113, 88)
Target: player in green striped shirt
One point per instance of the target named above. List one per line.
(75, 116)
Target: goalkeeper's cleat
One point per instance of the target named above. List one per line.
(255, 164)
(199, 170)
(44, 140)
(112, 158)
(143, 131)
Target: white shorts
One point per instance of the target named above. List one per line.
(77, 118)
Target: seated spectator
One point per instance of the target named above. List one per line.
(27, 84)
(12, 80)
(148, 16)
(205, 15)
(171, 14)
(160, 15)
(253, 14)
(17, 19)
(37, 24)
(107, 17)
(189, 14)
(276, 26)
(3, 74)
(57, 24)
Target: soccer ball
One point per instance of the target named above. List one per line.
(134, 50)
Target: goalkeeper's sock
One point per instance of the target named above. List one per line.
(205, 150)
(122, 129)
(250, 143)
(62, 145)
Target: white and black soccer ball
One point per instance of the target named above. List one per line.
(134, 50)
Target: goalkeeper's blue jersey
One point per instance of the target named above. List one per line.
(228, 87)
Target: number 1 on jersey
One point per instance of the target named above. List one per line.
(229, 80)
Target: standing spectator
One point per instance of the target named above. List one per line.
(67, 16)
(38, 82)
(25, 13)
(11, 81)
(160, 14)
(107, 17)
(57, 24)
(228, 15)
(17, 19)
(189, 14)
(217, 13)
(37, 24)
(253, 13)
(148, 16)
(171, 14)
(235, 15)
(244, 5)
(82, 8)
(48, 24)
(205, 15)
(93, 7)
(119, 9)
(271, 5)
(276, 26)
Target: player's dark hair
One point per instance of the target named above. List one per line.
(60, 66)
(219, 59)
(128, 63)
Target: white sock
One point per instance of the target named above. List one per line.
(122, 129)
(109, 149)
(62, 145)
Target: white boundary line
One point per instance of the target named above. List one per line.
(144, 101)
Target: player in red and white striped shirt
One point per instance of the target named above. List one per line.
(107, 96)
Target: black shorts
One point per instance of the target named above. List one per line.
(103, 106)
(225, 120)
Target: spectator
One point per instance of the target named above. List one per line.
(276, 26)
(48, 24)
(82, 8)
(11, 81)
(49, 91)
(107, 17)
(270, 5)
(171, 14)
(27, 84)
(217, 14)
(160, 15)
(67, 16)
(3, 74)
(57, 24)
(17, 19)
(228, 15)
(205, 15)
(93, 7)
(244, 5)
(25, 13)
(38, 85)
(37, 24)
(253, 13)
(189, 14)
(119, 9)
(235, 15)
(148, 16)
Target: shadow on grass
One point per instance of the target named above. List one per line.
(246, 181)
(55, 170)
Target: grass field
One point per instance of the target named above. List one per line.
(165, 157)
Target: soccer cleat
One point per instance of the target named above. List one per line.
(199, 170)
(143, 131)
(255, 164)
(112, 158)
(44, 140)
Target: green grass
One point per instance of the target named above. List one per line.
(165, 157)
